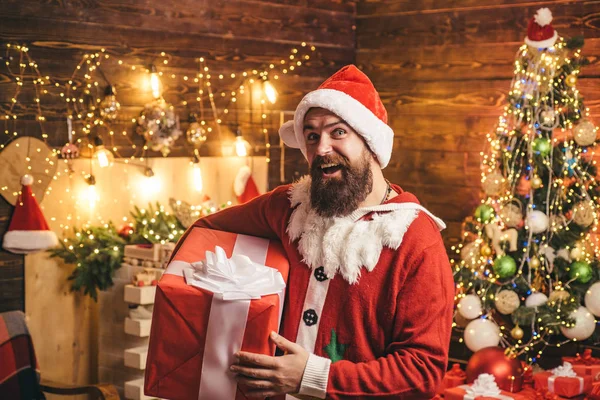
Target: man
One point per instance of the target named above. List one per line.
(368, 309)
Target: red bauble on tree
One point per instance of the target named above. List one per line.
(125, 231)
(507, 370)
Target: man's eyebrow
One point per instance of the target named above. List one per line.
(309, 126)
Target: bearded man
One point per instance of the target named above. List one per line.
(368, 309)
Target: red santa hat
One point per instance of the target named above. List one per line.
(244, 187)
(350, 95)
(540, 33)
(28, 231)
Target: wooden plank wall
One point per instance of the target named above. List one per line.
(444, 69)
(233, 35)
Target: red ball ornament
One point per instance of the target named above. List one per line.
(507, 370)
(125, 231)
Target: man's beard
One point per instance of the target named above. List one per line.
(338, 197)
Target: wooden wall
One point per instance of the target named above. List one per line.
(443, 69)
(233, 35)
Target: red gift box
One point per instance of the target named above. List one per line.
(460, 393)
(562, 385)
(453, 378)
(195, 332)
(585, 365)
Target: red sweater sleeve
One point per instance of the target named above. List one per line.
(416, 359)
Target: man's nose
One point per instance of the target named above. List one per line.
(324, 145)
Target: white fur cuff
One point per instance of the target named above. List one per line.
(316, 376)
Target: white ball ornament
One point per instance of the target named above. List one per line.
(536, 299)
(507, 301)
(584, 133)
(470, 306)
(585, 324)
(481, 333)
(592, 299)
(537, 221)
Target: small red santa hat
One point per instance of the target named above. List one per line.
(350, 95)
(244, 187)
(540, 33)
(28, 231)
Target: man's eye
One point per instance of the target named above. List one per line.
(339, 132)
(312, 137)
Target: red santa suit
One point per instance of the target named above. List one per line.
(372, 293)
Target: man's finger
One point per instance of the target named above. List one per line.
(283, 343)
(255, 384)
(255, 373)
(256, 359)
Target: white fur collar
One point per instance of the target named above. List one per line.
(342, 244)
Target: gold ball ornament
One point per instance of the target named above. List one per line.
(486, 250)
(470, 254)
(576, 253)
(536, 182)
(534, 262)
(560, 295)
(584, 133)
(511, 215)
(583, 214)
(571, 80)
(493, 184)
(507, 301)
(517, 332)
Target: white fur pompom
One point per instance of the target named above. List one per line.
(543, 16)
(27, 180)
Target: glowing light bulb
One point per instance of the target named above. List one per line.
(102, 155)
(152, 184)
(240, 147)
(154, 82)
(270, 92)
(197, 173)
(91, 195)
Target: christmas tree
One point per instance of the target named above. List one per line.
(526, 272)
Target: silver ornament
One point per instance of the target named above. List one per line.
(584, 133)
(507, 301)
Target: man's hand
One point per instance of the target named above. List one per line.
(269, 376)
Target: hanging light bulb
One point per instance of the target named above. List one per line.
(102, 155)
(152, 184)
(109, 107)
(241, 146)
(154, 81)
(270, 91)
(91, 195)
(197, 174)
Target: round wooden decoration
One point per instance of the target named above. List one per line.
(13, 164)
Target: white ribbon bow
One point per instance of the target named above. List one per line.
(484, 385)
(237, 278)
(565, 370)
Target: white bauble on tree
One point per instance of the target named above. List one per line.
(481, 333)
(583, 214)
(536, 299)
(470, 306)
(493, 184)
(537, 221)
(592, 299)
(584, 133)
(507, 301)
(585, 324)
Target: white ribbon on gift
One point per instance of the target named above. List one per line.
(234, 283)
(484, 385)
(564, 371)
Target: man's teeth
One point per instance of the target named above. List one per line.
(328, 166)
